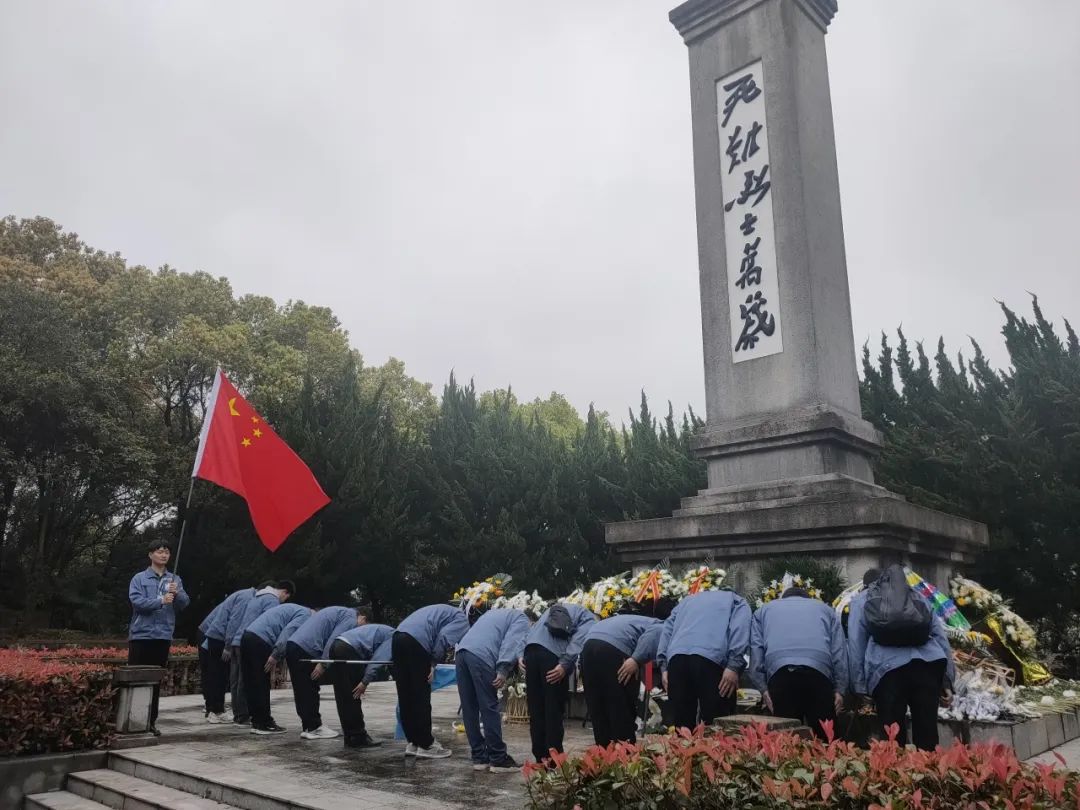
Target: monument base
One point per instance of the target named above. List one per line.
(847, 521)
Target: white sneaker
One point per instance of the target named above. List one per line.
(434, 751)
(321, 733)
(410, 750)
(218, 718)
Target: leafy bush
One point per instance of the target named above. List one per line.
(828, 577)
(762, 769)
(49, 706)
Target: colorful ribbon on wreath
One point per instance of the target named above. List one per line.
(1033, 672)
(942, 605)
(650, 588)
(699, 582)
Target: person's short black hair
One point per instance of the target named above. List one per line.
(287, 585)
(795, 590)
(364, 611)
(154, 545)
(871, 576)
(269, 583)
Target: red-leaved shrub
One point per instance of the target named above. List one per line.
(760, 769)
(48, 706)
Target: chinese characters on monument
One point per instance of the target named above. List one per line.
(746, 182)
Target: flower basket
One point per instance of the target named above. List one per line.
(517, 709)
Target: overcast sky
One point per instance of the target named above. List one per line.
(504, 187)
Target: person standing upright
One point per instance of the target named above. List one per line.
(900, 676)
(419, 644)
(485, 657)
(156, 596)
(702, 652)
(798, 658)
(614, 652)
(551, 652)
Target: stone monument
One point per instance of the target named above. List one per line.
(789, 456)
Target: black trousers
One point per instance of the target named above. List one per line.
(694, 691)
(803, 694)
(345, 678)
(305, 691)
(151, 652)
(547, 702)
(412, 663)
(236, 687)
(612, 706)
(917, 686)
(253, 654)
(214, 675)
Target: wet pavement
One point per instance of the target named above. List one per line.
(325, 768)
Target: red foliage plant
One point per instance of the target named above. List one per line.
(761, 769)
(48, 706)
(105, 653)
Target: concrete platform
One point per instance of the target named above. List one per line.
(313, 773)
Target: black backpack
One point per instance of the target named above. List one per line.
(559, 623)
(895, 615)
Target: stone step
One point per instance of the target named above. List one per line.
(248, 789)
(122, 791)
(60, 800)
(231, 791)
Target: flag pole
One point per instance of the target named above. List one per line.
(183, 526)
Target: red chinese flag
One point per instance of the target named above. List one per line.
(239, 451)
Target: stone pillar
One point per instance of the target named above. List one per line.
(793, 412)
(790, 459)
(135, 689)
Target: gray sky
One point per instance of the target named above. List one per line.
(505, 187)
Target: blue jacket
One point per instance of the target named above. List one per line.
(317, 634)
(277, 625)
(870, 661)
(712, 624)
(215, 628)
(367, 638)
(211, 617)
(797, 631)
(566, 650)
(256, 607)
(151, 618)
(372, 643)
(637, 637)
(437, 628)
(236, 614)
(498, 639)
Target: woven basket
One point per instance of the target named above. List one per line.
(517, 710)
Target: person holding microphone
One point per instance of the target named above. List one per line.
(156, 596)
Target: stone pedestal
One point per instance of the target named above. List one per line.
(790, 460)
(135, 690)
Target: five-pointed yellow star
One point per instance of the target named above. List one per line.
(256, 433)
(246, 442)
(254, 420)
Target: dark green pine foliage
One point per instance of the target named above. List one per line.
(1001, 447)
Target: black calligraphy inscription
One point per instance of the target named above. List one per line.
(740, 149)
(756, 321)
(754, 185)
(749, 271)
(742, 89)
(749, 224)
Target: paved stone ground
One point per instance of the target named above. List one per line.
(326, 774)
(1070, 752)
(383, 777)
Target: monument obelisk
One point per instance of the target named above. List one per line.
(789, 456)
